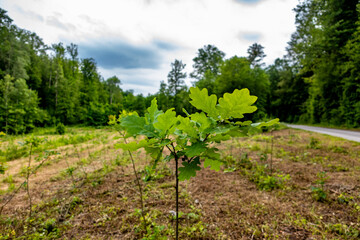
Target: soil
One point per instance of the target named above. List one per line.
(100, 200)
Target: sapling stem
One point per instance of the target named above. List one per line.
(27, 181)
(139, 186)
(21, 185)
(271, 155)
(173, 151)
(177, 196)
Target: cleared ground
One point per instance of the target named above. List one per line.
(299, 185)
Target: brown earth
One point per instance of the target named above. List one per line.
(100, 200)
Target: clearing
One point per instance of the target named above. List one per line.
(289, 184)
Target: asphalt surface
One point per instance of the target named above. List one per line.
(349, 135)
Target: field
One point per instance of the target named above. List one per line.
(288, 184)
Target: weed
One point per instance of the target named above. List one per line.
(281, 153)
(318, 191)
(75, 201)
(344, 230)
(8, 179)
(70, 171)
(338, 149)
(314, 143)
(266, 182)
(337, 168)
(344, 198)
(232, 164)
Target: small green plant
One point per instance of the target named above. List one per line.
(50, 228)
(314, 143)
(344, 198)
(60, 128)
(70, 171)
(338, 149)
(190, 139)
(318, 191)
(337, 168)
(258, 174)
(343, 230)
(8, 179)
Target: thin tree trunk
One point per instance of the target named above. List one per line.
(27, 183)
(177, 196)
(139, 186)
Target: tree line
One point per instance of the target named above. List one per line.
(317, 81)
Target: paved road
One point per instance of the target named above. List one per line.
(350, 135)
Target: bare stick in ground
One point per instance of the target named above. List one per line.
(139, 186)
(27, 181)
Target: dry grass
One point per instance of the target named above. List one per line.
(100, 200)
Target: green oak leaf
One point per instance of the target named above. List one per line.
(189, 169)
(213, 164)
(166, 121)
(212, 153)
(218, 138)
(132, 146)
(135, 125)
(246, 123)
(236, 104)
(220, 129)
(152, 112)
(266, 124)
(203, 121)
(186, 127)
(202, 101)
(195, 149)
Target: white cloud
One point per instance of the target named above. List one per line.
(230, 25)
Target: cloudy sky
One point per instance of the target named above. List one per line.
(137, 40)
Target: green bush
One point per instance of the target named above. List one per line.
(60, 129)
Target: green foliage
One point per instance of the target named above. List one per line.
(236, 72)
(318, 191)
(19, 106)
(314, 143)
(60, 129)
(256, 54)
(264, 181)
(323, 48)
(207, 61)
(189, 138)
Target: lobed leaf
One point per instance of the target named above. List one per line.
(189, 169)
(166, 121)
(236, 104)
(186, 127)
(203, 121)
(213, 164)
(202, 101)
(266, 124)
(152, 112)
(132, 146)
(135, 125)
(196, 149)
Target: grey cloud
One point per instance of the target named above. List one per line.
(89, 19)
(140, 82)
(30, 14)
(110, 55)
(54, 21)
(165, 45)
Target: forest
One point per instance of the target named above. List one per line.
(210, 161)
(316, 82)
